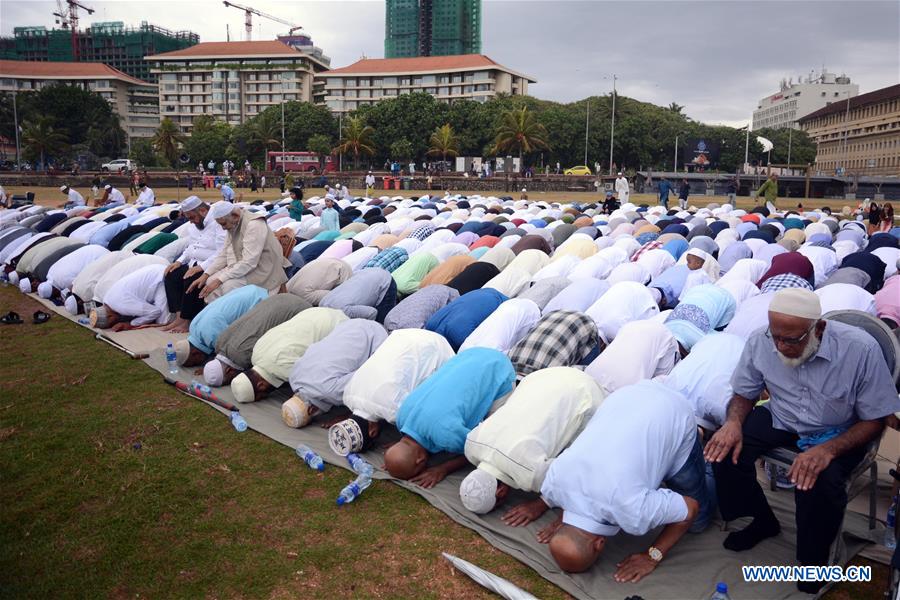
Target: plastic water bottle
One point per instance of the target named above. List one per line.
(238, 421)
(890, 540)
(201, 387)
(171, 359)
(353, 490)
(360, 465)
(84, 321)
(312, 460)
(721, 592)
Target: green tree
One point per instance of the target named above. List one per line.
(520, 132)
(42, 140)
(357, 140)
(209, 139)
(266, 131)
(675, 108)
(142, 152)
(412, 117)
(402, 149)
(802, 148)
(167, 141)
(443, 143)
(321, 145)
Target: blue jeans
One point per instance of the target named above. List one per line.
(695, 479)
(664, 201)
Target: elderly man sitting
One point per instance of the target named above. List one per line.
(279, 348)
(515, 446)
(650, 430)
(829, 390)
(206, 238)
(136, 300)
(251, 254)
(438, 415)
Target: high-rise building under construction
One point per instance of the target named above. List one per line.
(432, 28)
(112, 43)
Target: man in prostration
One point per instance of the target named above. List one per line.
(562, 338)
(622, 190)
(213, 320)
(439, 414)
(136, 300)
(650, 430)
(403, 361)
(206, 238)
(279, 348)
(319, 377)
(234, 346)
(251, 254)
(514, 447)
(829, 390)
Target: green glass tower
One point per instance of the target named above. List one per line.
(432, 28)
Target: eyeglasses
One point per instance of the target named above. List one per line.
(789, 341)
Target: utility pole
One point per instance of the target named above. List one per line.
(340, 136)
(612, 129)
(16, 123)
(282, 121)
(587, 127)
(790, 140)
(747, 145)
(846, 134)
(675, 161)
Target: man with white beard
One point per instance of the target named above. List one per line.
(829, 390)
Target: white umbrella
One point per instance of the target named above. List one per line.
(496, 584)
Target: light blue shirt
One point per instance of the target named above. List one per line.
(222, 312)
(227, 192)
(441, 412)
(329, 220)
(610, 477)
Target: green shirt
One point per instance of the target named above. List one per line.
(769, 189)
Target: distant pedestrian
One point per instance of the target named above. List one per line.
(557, 168)
(370, 184)
(622, 190)
(262, 183)
(665, 188)
(683, 194)
(769, 190)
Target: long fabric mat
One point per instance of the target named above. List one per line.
(691, 571)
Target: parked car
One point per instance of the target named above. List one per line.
(119, 165)
(579, 170)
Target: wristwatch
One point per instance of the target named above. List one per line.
(655, 553)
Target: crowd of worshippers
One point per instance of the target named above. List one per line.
(562, 352)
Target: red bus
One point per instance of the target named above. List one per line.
(307, 162)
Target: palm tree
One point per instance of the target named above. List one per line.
(519, 132)
(41, 138)
(357, 140)
(675, 108)
(167, 140)
(443, 143)
(267, 131)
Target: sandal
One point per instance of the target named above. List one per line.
(11, 318)
(40, 317)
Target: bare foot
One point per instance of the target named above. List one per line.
(525, 513)
(546, 533)
(179, 325)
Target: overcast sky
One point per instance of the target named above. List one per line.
(717, 58)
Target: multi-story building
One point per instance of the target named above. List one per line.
(432, 28)
(122, 48)
(860, 135)
(233, 81)
(447, 78)
(795, 100)
(135, 101)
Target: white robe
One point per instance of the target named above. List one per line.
(142, 295)
(641, 350)
(63, 272)
(503, 329)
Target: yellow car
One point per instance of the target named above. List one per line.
(581, 170)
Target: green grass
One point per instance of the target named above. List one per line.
(112, 485)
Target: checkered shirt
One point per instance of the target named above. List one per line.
(562, 338)
(783, 282)
(389, 259)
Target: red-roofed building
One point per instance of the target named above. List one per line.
(234, 81)
(135, 101)
(447, 78)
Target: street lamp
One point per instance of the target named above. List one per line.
(844, 160)
(587, 127)
(675, 161)
(612, 128)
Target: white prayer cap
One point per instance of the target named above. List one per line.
(99, 318)
(295, 412)
(72, 305)
(221, 209)
(620, 172)
(182, 351)
(191, 203)
(25, 285)
(13, 278)
(45, 290)
(242, 388)
(63, 187)
(796, 302)
(214, 373)
(478, 492)
(107, 187)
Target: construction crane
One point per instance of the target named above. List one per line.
(68, 17)
(248, 19)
